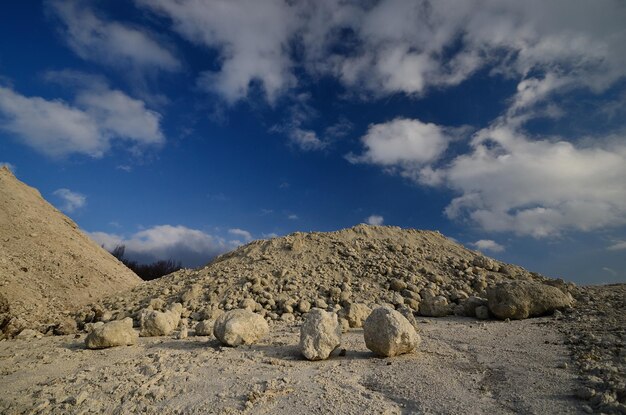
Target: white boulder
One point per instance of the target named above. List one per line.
(320, 334)
(111, 334)
(237, 327)
(158, 323)
(388, 333)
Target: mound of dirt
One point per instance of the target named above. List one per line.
(48, 267)
(282, 278)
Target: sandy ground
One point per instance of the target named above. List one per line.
(463, 366)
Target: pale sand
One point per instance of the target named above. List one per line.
(463, 366)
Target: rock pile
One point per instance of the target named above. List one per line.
(595, 332)
(349, 271)
(48, 267)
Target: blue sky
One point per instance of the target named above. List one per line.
(185, 128)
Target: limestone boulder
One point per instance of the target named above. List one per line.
(522, 299)
(388, 333)
(237, 327)
(112, 334)
(320, 334)
(160, 323)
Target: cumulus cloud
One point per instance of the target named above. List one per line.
(241, 233)
(403, 46)
(488, 245)
(402, 142)
(111, 43)
(98, 116)
(252, 38)
(617, 246)
(190, 246)
(70, 201)
(293, 217)
(508, 182)
(375, 220)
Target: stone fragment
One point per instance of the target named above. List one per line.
(397, 284)
(469, 305)
(482, 312)
(320, 334)
(29, 334)
(65, 326)
(158, 323)
(204, 328)
(355, 314)
(434, 307)
(522, 299)
(304, 306)
(112, 334)
(388, 333)
(237, 327)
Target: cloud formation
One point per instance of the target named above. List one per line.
(97, 117)
(402, 142)
(508, 181)
(402, 46)
(70, 201)
(251, 36)
(190, 246)
(241, 233)
(617, 246)
(375, 220)
(488, 245)
(111, 43)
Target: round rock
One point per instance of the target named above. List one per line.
(388, 333)
(237, 327)
(114, 333)
(320, 334)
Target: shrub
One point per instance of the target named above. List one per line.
(147, 272)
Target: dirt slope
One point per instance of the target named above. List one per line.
(47, 265)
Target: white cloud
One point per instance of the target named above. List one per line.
(508, 182)
(251, 36)
(111, 43)
(402, 142)
(488, 245)
(405, 46)
(70, 201)
(98, 117)
(190, 246)
(375, 220)
(293, 217)
(306, 140)
(617, 246)
(245, 235)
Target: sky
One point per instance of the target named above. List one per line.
(185, 128)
